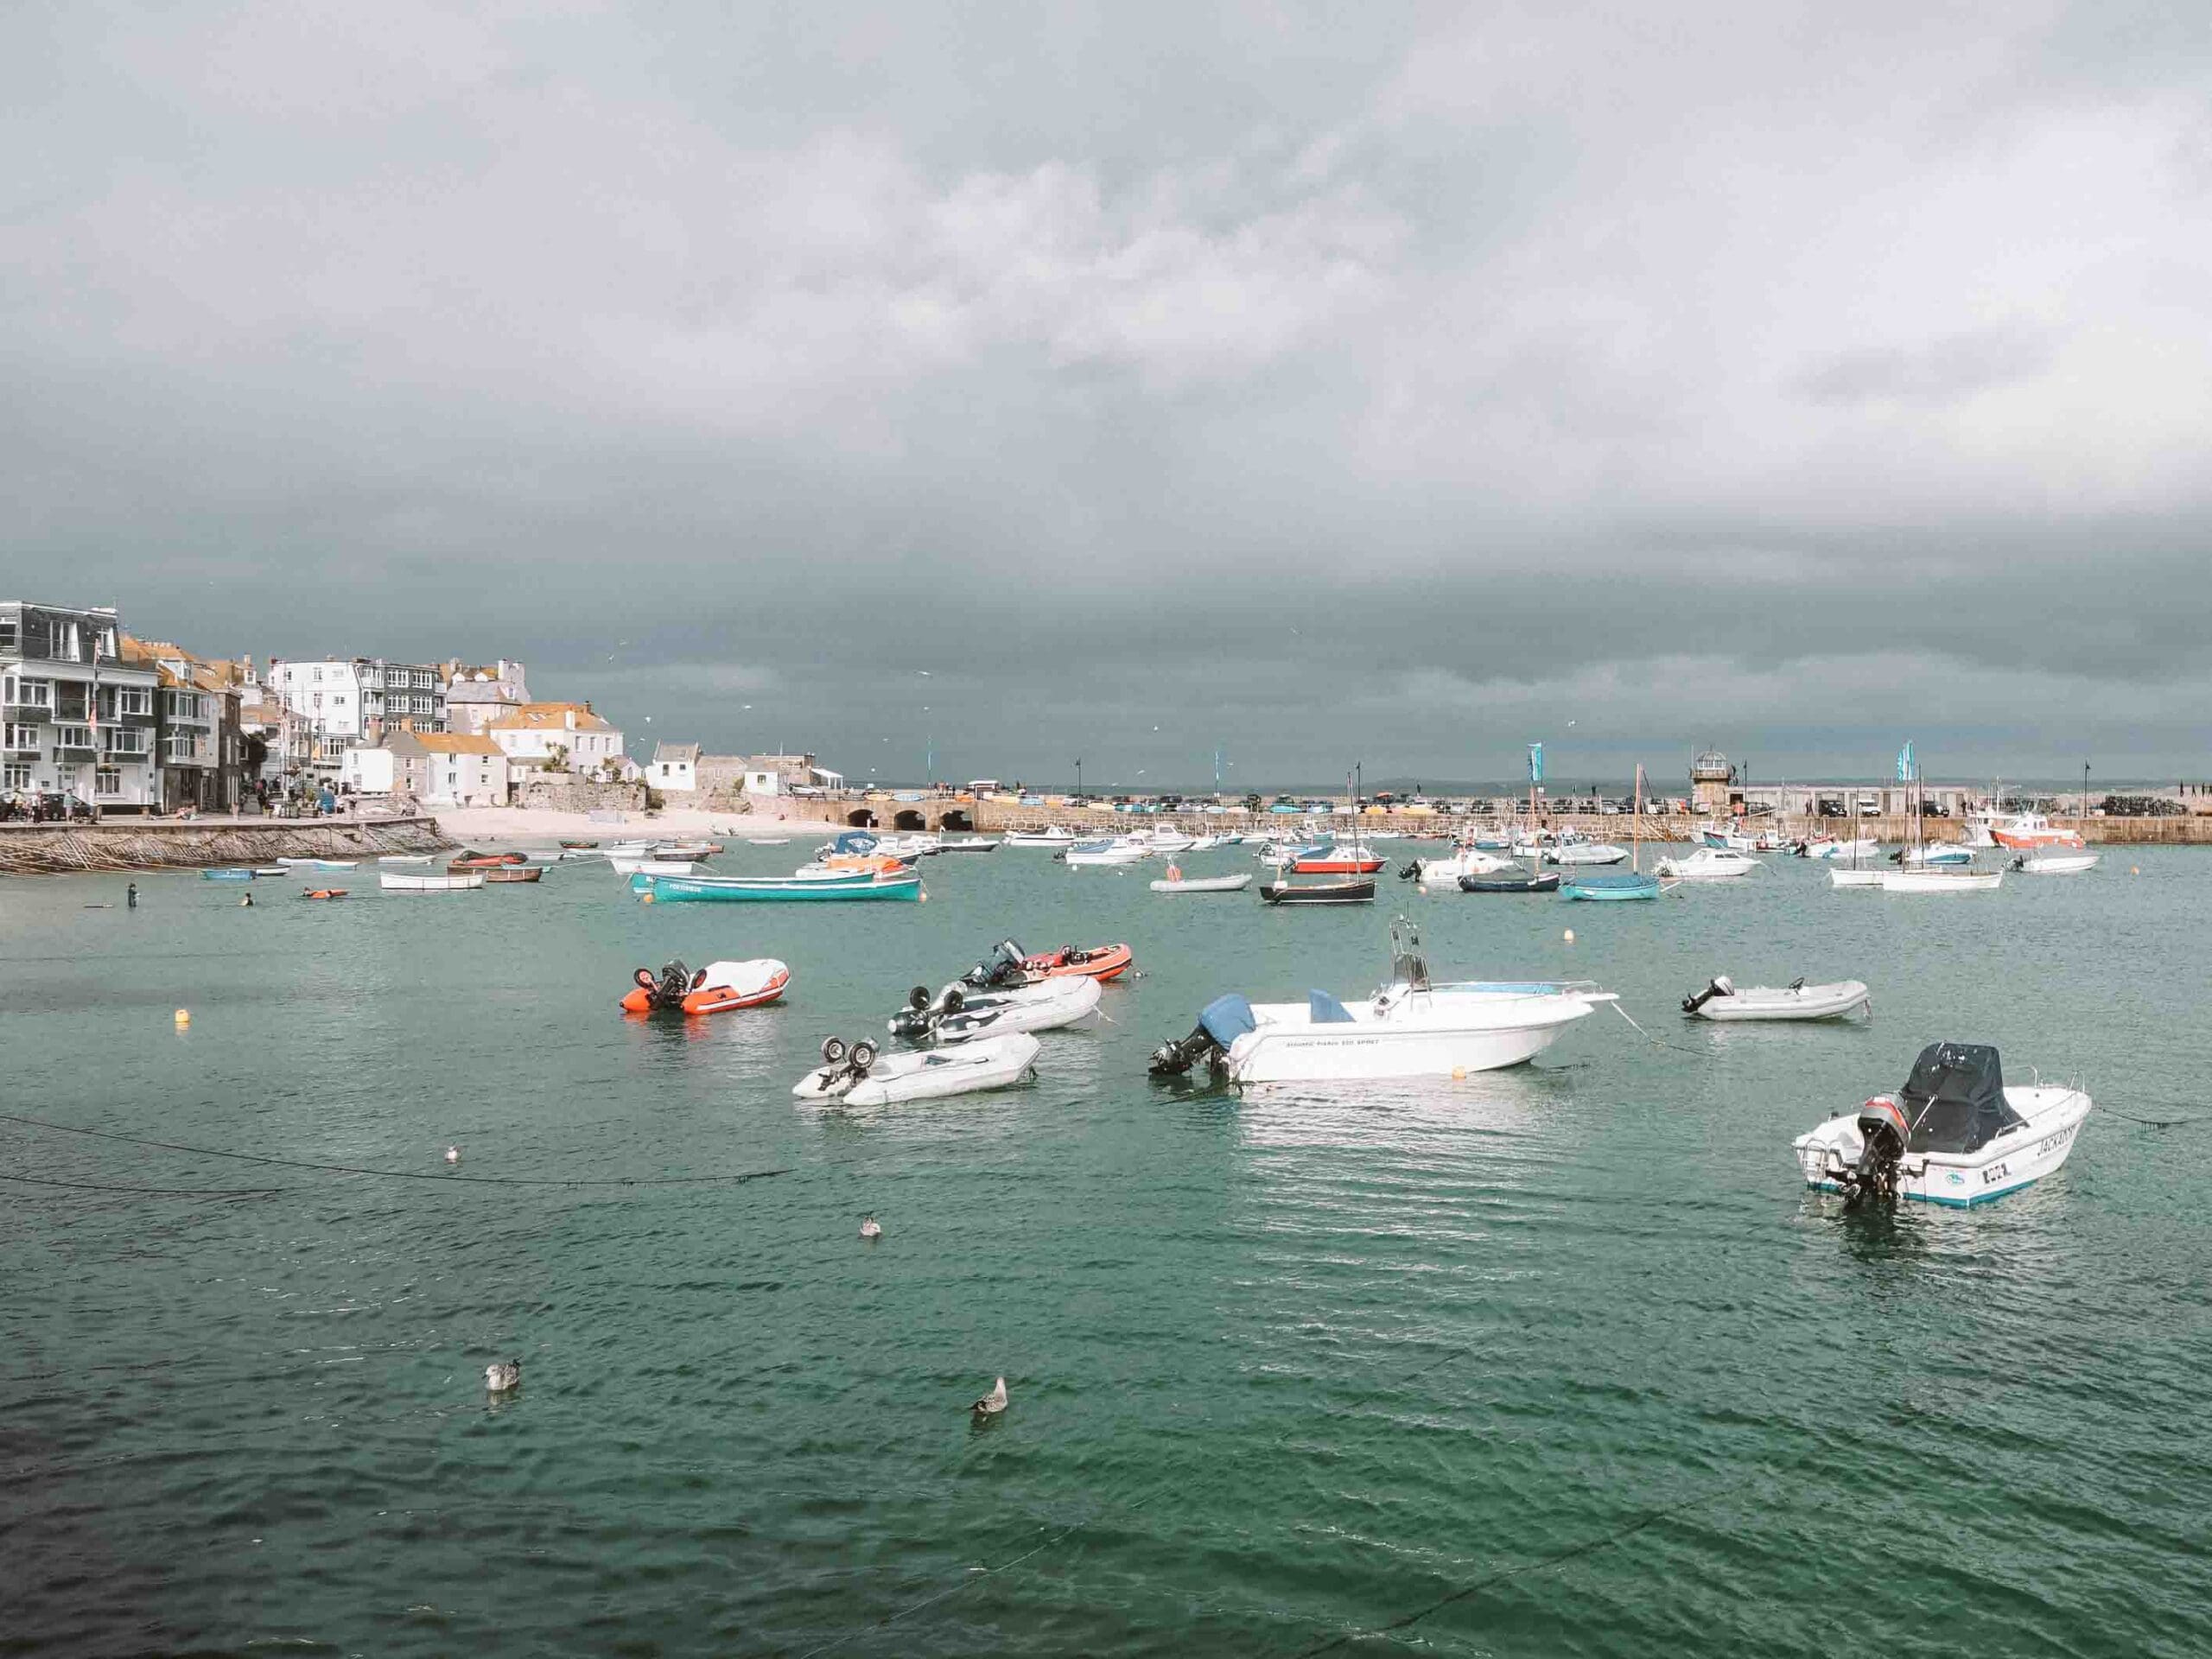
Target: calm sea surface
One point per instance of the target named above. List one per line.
(1556, 1361)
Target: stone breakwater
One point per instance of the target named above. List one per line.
(141, 844)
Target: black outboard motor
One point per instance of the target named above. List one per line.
(1410, 871)
(918, 1021)
(1721, 985)
(1000, 969)
(667, 992)
(1882, 1137)
(1175, 1059)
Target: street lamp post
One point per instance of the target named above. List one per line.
(1079, 782)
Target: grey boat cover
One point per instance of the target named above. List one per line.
(1954, 1099)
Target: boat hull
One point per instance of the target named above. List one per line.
(1205, 884)
(1288, 1048)
(1329, 893)
(928, 1074)
(1936, 879)
(1832, 1001)
(1545, 881)
(738, 890)
(1611, 889)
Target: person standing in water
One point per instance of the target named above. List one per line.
(130, 897)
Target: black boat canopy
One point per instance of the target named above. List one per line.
(1954, 1099)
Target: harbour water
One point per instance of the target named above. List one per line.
(1558, 1361)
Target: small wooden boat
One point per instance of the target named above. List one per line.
(2055, 863)
(1319, 893)
(1610, 888)
(1542, 881)
(322, 893)
(270, 869)
(466, 859)
(646, 864)
(1205, 884)
(226, 875)
(580, 846)
(404, 858)
(756, 889)
(395, 881)
(512, 872)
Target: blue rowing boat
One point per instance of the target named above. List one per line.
(756, 889)
(226, 875)
(1610, 887)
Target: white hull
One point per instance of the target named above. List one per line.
(1947, 854)
(1436, 1034)
(1039, 838)
(1205, 884)
(1446, 872)
(926, 1074)
(391, 883)
(627, 866)
(1112, 855)
(1707, 864)
(1066, 1002)
(1781, 1003)
(971, 845)
(2013, 1159)
(1936, 879)
(2059, 863)
(1587, 853)
(1868, 847)
(1868, 878)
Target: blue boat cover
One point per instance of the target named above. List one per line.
(1228, 1018)
(857, 841)
(1324, 1010)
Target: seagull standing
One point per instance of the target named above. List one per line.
(502, 1375)
(993, 1403)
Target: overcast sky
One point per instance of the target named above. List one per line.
(1325, 383)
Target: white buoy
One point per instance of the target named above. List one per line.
(453, 1154)
(183, 1018)
(1570, 936)
(993, 1403)
(502, 1375)
(870, 1228)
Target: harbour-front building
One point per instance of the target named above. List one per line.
(80, 721)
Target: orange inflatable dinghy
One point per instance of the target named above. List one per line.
(1101, 961)
(322, 893)
(716, 989)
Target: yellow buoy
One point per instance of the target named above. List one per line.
(1570, 936)
(183, 1018)
(1459, 1074)
(2135, 869)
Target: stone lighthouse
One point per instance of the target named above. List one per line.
(1710, 775)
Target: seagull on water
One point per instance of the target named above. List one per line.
(502, 1375)
(992, 1403)
(453, 1154)
(870, 1228)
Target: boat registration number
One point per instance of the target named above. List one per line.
(2052, 1142)
(1995, 1174)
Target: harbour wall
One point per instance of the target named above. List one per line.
(139, 844)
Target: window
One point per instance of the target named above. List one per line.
(17, 774)
(62, 648)
(133, 700)
(123, 741)
(185, 705)
(318, 699)
(22, 737)
(72, 737)
(11, 631)
(33, 693)
(107, 780)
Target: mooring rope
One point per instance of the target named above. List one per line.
(1679, 1048)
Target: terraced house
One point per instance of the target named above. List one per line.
(79, 720)
(202, 746)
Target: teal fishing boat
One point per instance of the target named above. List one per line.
(226, 875)
(756, 889)
(1610, 887)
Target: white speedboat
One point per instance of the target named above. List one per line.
(1723, 998)
(1117, 851)
(1953, 1135)
(1205, 884)
(1409, 1028)
(399, 881)
(1588, 852)
(1939, 854)
(1168, 841)
(1050, 836)
(2055, 863)
(1827, 847)
(962, 1013)
(1446, 871)
(969, 845)
(1707, 864)
(1727, 838)
(858, 1076)
(1940, 879)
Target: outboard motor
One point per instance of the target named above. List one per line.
(1000, 969)
(918, 1021)
(1882, 1133)
(1175, 1059)
(1410, 871)
(668, 991)
(1721, 985)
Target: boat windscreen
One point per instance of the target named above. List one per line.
(853, 843)
(1954, 1099)
(1228, 1018)
(1324, 1010)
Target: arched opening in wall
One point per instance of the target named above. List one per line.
(908, 819)
(860, 819)
(955, 819)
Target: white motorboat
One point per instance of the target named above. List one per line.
(1050, 836)
(1411, 1027)
(1940, 879)
(1587, 852)
(1205, 884)
(1168, 841)
(962, 1013)
(1207, 844)
(2032, 832)
(399, 881)
(1117, 851)
(1870, 879)
(1938, 854)
(860, 1077)
(643, 864)
(969, 845)
(1707, 864)
(1954, 1134)
(1863, 847)
(1723, 998)
(1446, 871)
(1727, 838)
(2055, 863)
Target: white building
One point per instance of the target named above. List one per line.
(477, 696)
(353, 700)
(75, 717)
(459, 768)
(674, 768)
(368, 771)
(546, 735)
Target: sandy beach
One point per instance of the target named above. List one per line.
(502, 824)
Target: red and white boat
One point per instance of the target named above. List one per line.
(716, 989)
(1100, 962)
(1357, 858)
(2031, 832)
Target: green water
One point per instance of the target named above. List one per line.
(1558, 1361)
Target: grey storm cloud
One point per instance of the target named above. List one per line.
(1389, 385)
